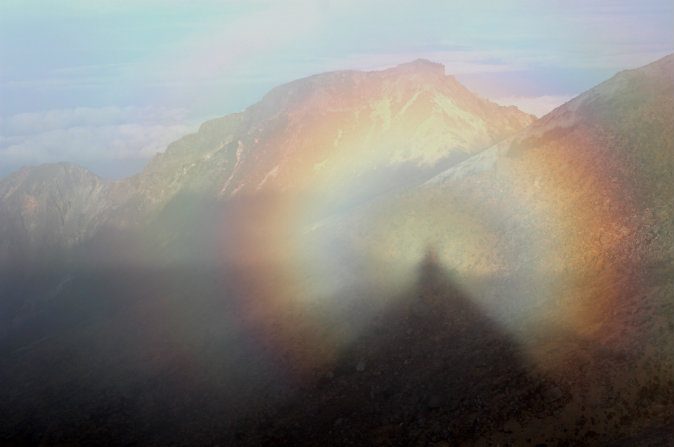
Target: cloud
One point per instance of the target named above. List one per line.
(536, 105)
(31, 123)
(120, 137)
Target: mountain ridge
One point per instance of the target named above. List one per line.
(522, 296)
(583, 189)
(302, 134)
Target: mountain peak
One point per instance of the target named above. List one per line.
(420, 66)
(51, 171)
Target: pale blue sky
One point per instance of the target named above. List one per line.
(108, 83)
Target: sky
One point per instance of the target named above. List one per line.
(108, 84)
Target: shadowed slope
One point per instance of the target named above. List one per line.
(431, 368)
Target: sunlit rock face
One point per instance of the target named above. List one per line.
(580, 188)
(330, 141)
(312, 148)
(380, 231)
(570, 219)
(338, 138)
(563, 234)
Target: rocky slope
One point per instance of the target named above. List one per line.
(324, 143)
(334, 139)
(586, 187)
(46, 207)
(305, 133)
(564, 234)
(520, 297)
(339, 137)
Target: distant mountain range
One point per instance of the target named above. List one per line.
(250, 256)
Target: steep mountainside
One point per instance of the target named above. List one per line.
(340, 137)
(48, 207)
(591, 179)
(236, 189)
(320, 274)
(564, 234)
(349, 127)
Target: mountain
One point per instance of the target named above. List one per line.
(324, 143)
(562, 233)
(339, 137)
(585, 187)
(81, 255)
(314, 128)
(312, 135)
(48, 206)
(359, 258)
